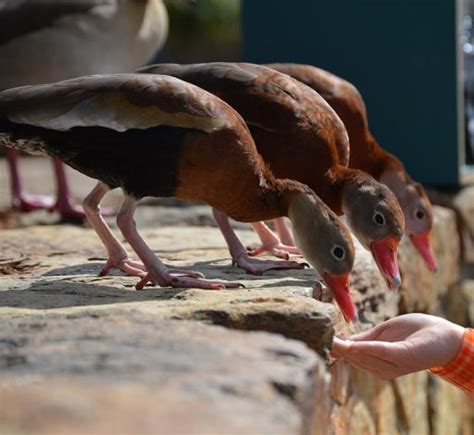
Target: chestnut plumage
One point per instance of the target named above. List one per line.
(301, 137)
(366, 153)
(157, 135)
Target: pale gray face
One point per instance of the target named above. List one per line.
(373, 212)
(417, 209)
(322, 238)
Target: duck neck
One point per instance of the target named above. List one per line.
(264, 199)
(396, 179)
(279, 194)
(367, 155)
(341, 180)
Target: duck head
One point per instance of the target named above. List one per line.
(326, 244)
(418, 213)
(374, 215)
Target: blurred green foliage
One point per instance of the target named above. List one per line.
(204, 30)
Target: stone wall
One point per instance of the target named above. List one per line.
(83, 354)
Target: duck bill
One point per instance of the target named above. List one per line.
(385, 254)
(339, 285)
(422, 243)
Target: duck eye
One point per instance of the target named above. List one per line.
(338, 253)
(419, 214)
(379, 219)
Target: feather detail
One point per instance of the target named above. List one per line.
(119, 102)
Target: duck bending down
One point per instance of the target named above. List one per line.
(366, 153)
(48, 41)
(301, 137)
(155, 135)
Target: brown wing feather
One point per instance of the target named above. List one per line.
(268, 100)
(341, 95)
(119, 102)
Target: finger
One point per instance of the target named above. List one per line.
(395, 329)
(371, 334)
(378, 349)
(373, 363)
(340, 348)
(387, 351)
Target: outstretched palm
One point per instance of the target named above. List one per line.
(402, 345)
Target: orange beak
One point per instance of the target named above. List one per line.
(339, 285)
(422, 243)
(385, 254)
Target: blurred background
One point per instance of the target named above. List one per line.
(202, 31)
(413, 63)
(408, 60)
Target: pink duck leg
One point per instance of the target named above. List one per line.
(271, 243)
(240, 256)
(118, 255)
(65, 203)
(20, 199)
(283, 229)
(157, 271)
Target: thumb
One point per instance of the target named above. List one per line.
(340, 347)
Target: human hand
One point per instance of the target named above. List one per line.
(402, 345)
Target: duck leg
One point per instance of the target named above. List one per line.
(20, 199)
(283, 229)
(118, 255)
(271, 243)
(157, 271)
(65, 203)
(241, 258)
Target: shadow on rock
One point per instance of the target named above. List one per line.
(47, 294)
(79, 269)
(217, 271)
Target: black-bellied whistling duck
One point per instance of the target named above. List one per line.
(47, 41)
(302, 138)
(156, 135)
(366, 154)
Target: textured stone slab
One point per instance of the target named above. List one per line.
(458, 303)
(130, 372)
(449, 409)
(61, 263)
(65, 281)
(462, 203)
(422, 289)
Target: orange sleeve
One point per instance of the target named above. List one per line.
(460, 371)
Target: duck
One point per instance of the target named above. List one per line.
(44, 42)
(156, 135)
(301, 137)
(368, 155)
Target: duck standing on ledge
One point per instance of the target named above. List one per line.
(301, 137)
(156, 135)
(47, 41)
(366, 154)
